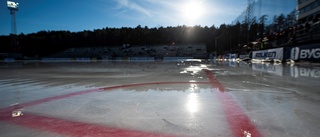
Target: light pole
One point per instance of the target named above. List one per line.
(13, 7)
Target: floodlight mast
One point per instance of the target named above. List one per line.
(13, 7)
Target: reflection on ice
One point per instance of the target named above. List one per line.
(297, 71)
(193, 103)
(17, 110)
(195, 60)
(246, 134)
(17, 113)
(183, 72)
(203, 66)
(195, 69)
(269, 68)
(193, 87)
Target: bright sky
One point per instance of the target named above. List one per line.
(79, 15)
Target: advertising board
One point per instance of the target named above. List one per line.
(305, 52)
(276, 53)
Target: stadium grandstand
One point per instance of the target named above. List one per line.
(308, 21)
(195, 51)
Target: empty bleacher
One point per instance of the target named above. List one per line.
(157, 51)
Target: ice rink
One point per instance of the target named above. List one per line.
(160, 98)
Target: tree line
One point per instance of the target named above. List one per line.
(225, 38)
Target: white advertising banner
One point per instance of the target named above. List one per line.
(276, 53)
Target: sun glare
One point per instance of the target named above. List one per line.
(192, 10)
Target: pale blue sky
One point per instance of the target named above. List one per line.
(79, 15)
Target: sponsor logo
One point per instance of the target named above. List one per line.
(243, 56)
(271, 54)
(294, 53)
(233, 56)
(310, 53)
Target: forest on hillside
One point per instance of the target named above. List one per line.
(225, 38)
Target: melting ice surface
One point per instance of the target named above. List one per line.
(280, 100)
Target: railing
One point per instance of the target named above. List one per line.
(309, 34)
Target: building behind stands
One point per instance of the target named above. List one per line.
(308, 19)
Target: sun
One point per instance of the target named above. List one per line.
(192, 10)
